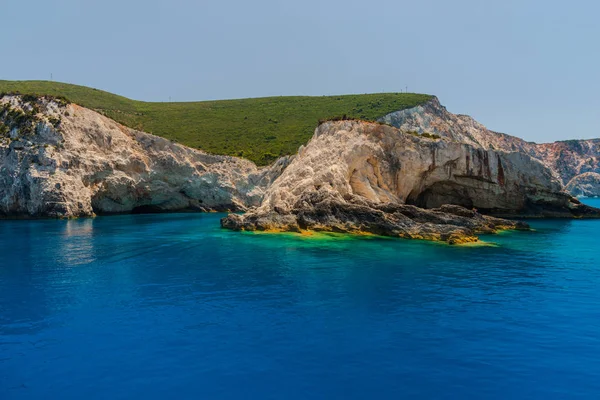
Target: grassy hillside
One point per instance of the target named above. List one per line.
(260, 129)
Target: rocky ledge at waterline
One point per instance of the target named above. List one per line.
(326, 210)
(62, 160)
(362, 177)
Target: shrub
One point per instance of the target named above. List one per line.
(267, 158)
(431, 135)
(54, 121)
(29, 98)
(424, 134)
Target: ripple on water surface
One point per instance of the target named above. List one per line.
(152, 305)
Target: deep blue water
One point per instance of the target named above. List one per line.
(171, 306)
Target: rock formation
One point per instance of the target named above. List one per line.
(358, 176)
(585, 185)
(62, 160)
(567, 159)
(326, 210)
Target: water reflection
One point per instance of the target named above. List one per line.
(76, 244)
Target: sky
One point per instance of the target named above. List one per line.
(527, 68)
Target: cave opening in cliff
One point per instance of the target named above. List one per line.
(147, 209)
(441, 193)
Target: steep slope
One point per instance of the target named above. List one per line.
(567, 159)
(259, 129)
(356, 176)
(63, 160)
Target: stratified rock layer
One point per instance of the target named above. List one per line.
(61, 160)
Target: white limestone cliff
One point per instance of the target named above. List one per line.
(63, 160)
(384, 164)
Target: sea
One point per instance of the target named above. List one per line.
(170, 306)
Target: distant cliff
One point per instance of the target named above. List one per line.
(586, 184)
(567, 159)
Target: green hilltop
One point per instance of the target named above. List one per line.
(260, 129)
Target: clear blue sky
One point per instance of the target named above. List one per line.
(528, 68)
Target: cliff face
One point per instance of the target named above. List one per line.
(567, 159)
(383, 164)
(62, 160)
(351, 172)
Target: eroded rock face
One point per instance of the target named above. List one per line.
(358, 177)
(566, 159)
(67, 161)
(383, 164)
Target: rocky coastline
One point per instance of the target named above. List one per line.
(361, 177)
(421, 173)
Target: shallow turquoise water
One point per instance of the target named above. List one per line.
(171, 306)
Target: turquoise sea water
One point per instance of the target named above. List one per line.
(171, 306)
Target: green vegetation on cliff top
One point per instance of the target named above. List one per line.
(260, 129)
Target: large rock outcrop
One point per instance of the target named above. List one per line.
(567, 159)
(324, 209)
(353, 171)
(62, 160)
